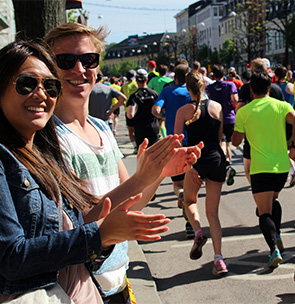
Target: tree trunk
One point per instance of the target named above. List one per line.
(286, 59)
(34, 18)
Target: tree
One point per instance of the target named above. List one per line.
(34, 18)
(248, 27)
(120, 69)
(290, 34)
(203, 54)
(71, 16)
(227, 52)
(215, 57)
(281, 20)
(127, 65)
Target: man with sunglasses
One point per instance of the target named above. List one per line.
(91, 150)
(88, 144)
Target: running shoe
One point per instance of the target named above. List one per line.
(280, 243)
(115, 132)
(135, 151)
(274, 259)
(230, 174)
(292, 180)
(219, 268)
(199, 241)
(189, 231)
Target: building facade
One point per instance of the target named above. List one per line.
(7, 24)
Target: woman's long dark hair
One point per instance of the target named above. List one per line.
(44, 160)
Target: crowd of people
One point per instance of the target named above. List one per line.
(66, 193)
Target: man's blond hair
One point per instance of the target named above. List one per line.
(97, 36)
(258, 65)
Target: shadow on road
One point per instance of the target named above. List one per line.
(287, 298)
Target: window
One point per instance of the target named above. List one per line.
(276, 41)
(269, 42)
(281, 40)
(221, 11)
(215, 11)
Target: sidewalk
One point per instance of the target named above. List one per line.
(139, 274)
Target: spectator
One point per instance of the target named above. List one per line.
(41, 199)
(91, 150)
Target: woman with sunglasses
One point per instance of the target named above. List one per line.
(45, 244)
(91, 149)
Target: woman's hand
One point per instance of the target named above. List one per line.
(121, 224)
(183, 160)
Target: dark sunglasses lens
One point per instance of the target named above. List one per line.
(90, 60)
(52, 87)
(25, 85)
(66, 61)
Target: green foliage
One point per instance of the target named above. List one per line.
(215, 57)
(116, 70)
(127, 65)
(162, 58)
(119, 69)
(227, 52)
(203, 55)
(71, 16)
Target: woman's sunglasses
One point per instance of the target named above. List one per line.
(67, 61)
(25, 85)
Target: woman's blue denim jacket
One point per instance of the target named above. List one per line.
(32, 249)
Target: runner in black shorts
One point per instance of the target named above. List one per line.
(228, 131)
(246, 97)
(203, 120)
(262, 121)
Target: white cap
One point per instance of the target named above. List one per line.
(267, 62)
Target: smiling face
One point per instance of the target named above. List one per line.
(78, 81)
(28, 113)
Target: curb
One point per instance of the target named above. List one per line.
(140, 277)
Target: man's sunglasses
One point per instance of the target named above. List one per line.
(25, 85)
(67, 61)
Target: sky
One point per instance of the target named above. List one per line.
(134, 17)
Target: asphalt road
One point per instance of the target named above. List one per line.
(181, 280)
